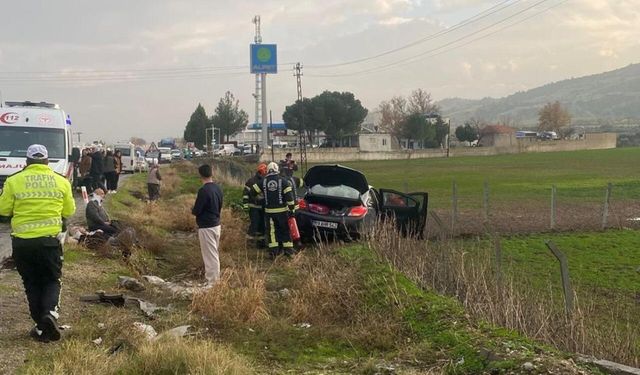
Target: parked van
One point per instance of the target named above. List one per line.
(25, 123)
(128, 151)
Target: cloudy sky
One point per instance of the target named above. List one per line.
(139, 68)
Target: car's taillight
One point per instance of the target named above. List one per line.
(302, 204)
(318, 208)
(357, 211)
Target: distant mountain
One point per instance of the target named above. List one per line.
(611, 96)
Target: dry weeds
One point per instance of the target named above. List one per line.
(238, 297)
(469, 275)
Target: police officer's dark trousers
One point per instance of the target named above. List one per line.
(39, 262)
(277, 231)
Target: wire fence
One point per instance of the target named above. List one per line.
(569, 209)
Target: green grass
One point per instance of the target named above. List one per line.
(601, 264)
(578, 174)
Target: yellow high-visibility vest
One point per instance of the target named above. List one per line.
(37, 199)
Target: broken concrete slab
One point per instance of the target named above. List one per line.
(131, 283)
(609, 367)
(146, 329)
(153, 280)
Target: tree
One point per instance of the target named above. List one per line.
(309, 111)
(137, 141)
(228, 117)
(338, 114)
(420, 102)
(416, 127)
(393, 114)
(195, 129)
(553, 117)
(467, 132)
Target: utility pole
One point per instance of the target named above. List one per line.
(78, 134)
(260, 91)
(302, 136)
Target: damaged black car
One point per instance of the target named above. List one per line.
(339, 202)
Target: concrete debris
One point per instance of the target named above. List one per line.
(97, 341)
(177, 332)
(102, 326)
(284, 293)
(130, 283)
(528, 366)
(609, 367)
(146, 329)
(184, 291)
(65, 327)
(384, 369)
(303, 325)
(153, 280)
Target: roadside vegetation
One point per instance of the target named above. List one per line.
(331, 309)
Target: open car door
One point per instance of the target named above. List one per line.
(408, 210)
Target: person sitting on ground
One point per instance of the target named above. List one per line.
(97, 217)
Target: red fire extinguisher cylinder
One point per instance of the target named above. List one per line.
(293, 228)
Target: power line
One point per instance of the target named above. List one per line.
(470, 20)
(430, 51)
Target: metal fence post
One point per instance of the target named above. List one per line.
(553, 207)
(564, 271)
(605, 208)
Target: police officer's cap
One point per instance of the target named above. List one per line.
(37, 152)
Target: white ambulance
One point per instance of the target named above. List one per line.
(25, 123)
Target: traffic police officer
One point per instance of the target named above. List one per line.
(38, 200)
(253, 202)
(278, 206)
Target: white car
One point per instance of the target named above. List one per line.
(165, 155)
(227, 149)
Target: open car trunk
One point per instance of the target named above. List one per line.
(335, 175)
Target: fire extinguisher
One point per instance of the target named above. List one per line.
(293, 228)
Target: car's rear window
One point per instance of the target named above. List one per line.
(338, 191)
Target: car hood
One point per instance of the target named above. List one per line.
(336, 175)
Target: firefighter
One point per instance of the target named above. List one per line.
(38, 200)
(253, 202)
(278, 207)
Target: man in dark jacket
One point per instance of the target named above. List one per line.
(207, 209)
(96, 171)
(97, 217)
(253, 202)
(288, 165)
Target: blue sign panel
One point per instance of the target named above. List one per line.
(264, 58)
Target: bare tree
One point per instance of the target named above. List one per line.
(393, 114)
(553, 117)
(421, 102)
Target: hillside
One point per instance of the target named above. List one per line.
(610, 96)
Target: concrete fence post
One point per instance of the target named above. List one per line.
(605, 207)
(553, 207)
(485, 201)
(564, 272)
(454, 206)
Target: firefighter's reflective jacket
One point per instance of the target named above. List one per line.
(278, 194)
(37, 199)
(252, 196)
(297, 184)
